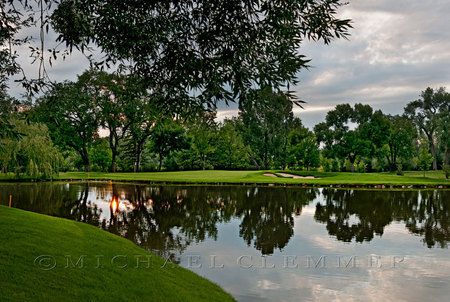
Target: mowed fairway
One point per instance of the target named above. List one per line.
(257, 177)
(31, 244)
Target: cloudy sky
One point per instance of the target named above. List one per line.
(396, 50)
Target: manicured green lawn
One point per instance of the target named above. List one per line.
(25, 236)
(214, 176)
(253, 177)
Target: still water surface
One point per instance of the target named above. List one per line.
(273, 243)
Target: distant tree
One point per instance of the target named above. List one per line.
(425, 158)
(307, 152)
(332, 131)
(230, 151)
(303, 149)
(266, 126)
(366, 140)
(202, 134)
(400, 144)
(426, 114)
(114, 98)
(343, 143)
(352, 146)
(168, 136)
(443, 131)
(71, 116)
(375, 129)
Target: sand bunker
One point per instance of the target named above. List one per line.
(296, 176)
(270, 174)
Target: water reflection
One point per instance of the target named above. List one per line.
(359, 215)
(167, 219)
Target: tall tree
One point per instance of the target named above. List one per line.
(116, 98)
(425, 113)
(338, 140)
(230, 152)
(69, 113)
(376, 130)
(400, 143)
(267, 122)
(202, 133)
(141, 111)
(369, 135)
(444, 133)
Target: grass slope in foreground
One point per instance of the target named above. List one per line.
(25, 235)
(217, 176)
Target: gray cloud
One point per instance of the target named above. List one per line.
(396, 50)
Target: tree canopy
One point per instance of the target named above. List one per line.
(218, 49)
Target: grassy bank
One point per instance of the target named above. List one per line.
(23, 277)
(433, 178)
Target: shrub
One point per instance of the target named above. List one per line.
(425, 159)
(376, 166)
(348, 165)
(335, 166)
(326, 164)
(399, 169)
(361, 167)
(446, 169)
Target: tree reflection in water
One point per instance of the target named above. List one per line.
(268, 216)
(361, 214)
(167, 219)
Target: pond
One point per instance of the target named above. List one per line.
(273, 243)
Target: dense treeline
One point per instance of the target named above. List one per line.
(107, 122)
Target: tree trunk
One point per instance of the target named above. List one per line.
(352, 161)
(389, 162)
(433, 152)
(113, 144)
(113, 162)
(266, 151)
(446, 151)
(86, 161)
(137, 163)
(254, 161)
(160, 162)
